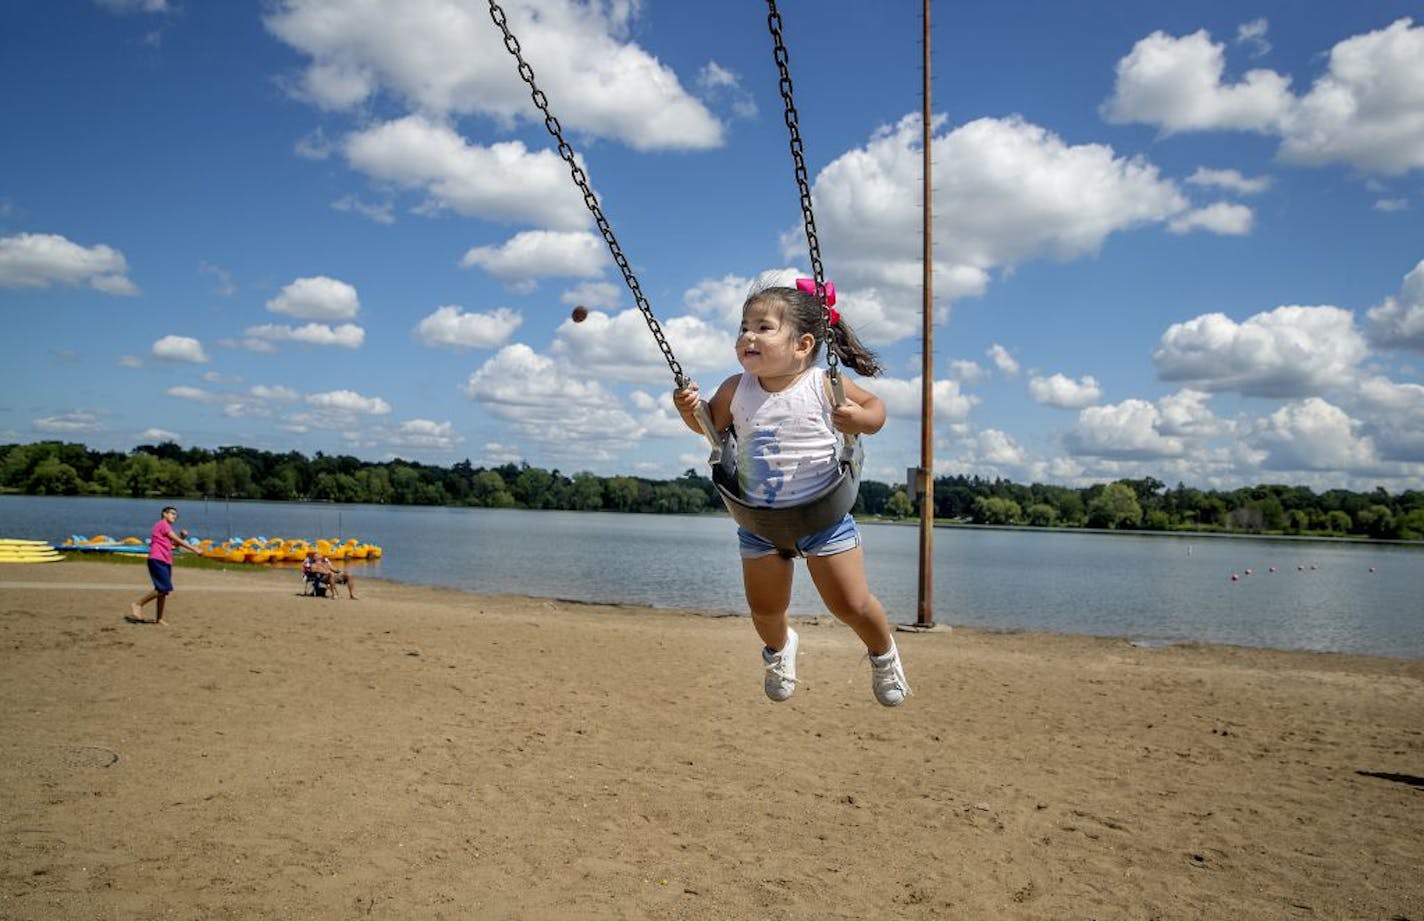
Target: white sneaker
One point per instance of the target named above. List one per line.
(887, 678)
(780, 679)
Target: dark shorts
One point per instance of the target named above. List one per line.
(162, 575)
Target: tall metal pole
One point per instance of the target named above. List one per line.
(925, 615)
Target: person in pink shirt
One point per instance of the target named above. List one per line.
(161, 544)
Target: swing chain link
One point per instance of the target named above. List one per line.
(566, 151)
(803, 183)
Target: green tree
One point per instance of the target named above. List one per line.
(533, 488)
(172, 478)
(587, 493)
(1376, 521)
(1410, 525)
(404, 484)
(53, 477)
(621, 493)
(1338, 521)
(233, 477)
(488, 491)
(140, 474)
(899, 505)
(336, 487)
(1115, 507)
(376, 485)
(1042, 515)
(996, 510)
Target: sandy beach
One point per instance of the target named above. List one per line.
(423, 753)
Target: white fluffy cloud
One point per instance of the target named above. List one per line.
(195, 394)
(970, 372)
(904, 398)
(1177, 84)
(451, 327)
(999, 450)
(1366, 110)
(1253, 35)
(425, 435)
(502, 182)
(346, 336)
(539, 254)
(722, 298)
(566, 416)
(1312, 434)
(594, 294)
(1064, 392)
(1393, 416)
(1287, 352)
(317, 298)
(37, 260)
(1186, 413)
(1005, 362)
(1224, 218)
(69, 423)
(275, 394)
(1130, 430)
(179, 348)
(1229, 179)
(1006, 191)
(1399, 321)
(348, 401)
(619, 347)
(446, 57)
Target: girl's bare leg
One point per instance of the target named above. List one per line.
(137, 606)
(841, 581)
(767, 580)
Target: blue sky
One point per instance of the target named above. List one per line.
(1171, 240)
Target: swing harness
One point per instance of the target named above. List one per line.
(783, 526)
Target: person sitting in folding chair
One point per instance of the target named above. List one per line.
(313, 582)
(331, 577)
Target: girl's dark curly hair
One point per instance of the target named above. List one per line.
(802, 312)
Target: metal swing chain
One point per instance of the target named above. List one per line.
(803, 184)
(567, 152)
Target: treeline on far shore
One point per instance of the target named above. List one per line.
(167, 469)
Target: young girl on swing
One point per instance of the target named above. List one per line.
(786, 425)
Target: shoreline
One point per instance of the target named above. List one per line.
(427, 752)
(185, 563)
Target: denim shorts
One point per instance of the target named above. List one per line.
(838, 538)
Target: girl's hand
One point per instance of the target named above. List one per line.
(855, 419)
(862, 413)
(686, 400)
(849, 418)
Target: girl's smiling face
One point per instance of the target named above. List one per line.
(766, 345)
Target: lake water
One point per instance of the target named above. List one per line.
(1327, 596)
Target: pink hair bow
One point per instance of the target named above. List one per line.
(809, 286)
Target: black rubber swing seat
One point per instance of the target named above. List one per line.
(785, 525)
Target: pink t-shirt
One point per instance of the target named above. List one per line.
(160, 542)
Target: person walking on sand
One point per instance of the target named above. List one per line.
(161, 543)
(782, 413)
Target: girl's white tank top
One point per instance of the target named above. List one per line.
(786, 446)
